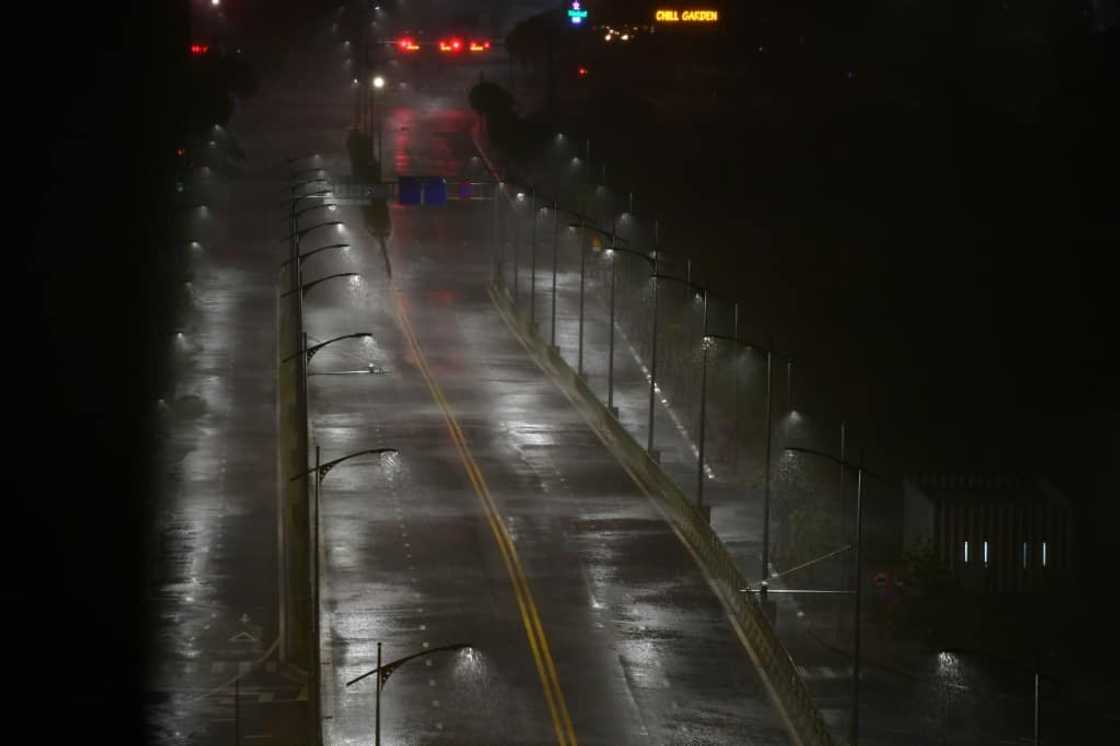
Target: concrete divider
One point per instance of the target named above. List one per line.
(777, 669)
(298, 643)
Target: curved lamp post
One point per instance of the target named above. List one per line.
(308, 182)
(298, 235)
(313, 252)
(293, 220)
(769, 438)
(310, 351)
(320, 471)
(321, 206)
(312, 284)
(383, 672)
(324, 205)
(297, 198)
(860, 471)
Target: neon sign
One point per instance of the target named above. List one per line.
(686, 16)
(576, 13)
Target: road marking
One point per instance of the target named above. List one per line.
(534, 632)
(740, 633)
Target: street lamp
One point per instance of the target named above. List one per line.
(703, 292)
(384, 671)
(378, 85)
(535, 216)
(860, 471)
(295, 199)
(313, 252)
(320, 471)
(770, 434)
(312, 284)
(310, 351)
(321, 206)
(307, 182)
(615, 247)
(555, 249)
(612, 234)
(298, 235)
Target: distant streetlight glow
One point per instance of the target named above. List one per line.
(378, 82)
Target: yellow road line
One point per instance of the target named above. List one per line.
(530, 618)
(736, 627)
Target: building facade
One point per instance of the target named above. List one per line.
(996, 533)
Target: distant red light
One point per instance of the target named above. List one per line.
(583, 71)
(408, 44)
(197, 50)
(479, 46)
(180, 151)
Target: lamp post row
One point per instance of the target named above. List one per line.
(305, 352)
(615, 245)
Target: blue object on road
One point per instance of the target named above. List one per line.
(435, 191)
(408, 190)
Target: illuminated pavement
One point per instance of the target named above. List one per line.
(642, 651)
(213, 587)
(638, 650)
(417, 548)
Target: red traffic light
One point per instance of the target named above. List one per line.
(582, 71)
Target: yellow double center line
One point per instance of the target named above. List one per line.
(538, 642)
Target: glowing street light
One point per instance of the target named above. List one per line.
(384, 671)
(320, 471)
(312, 284)
(313, 252)
(322, 206)
(615, 240)
(296, 199)
(310, 351)
(298, 235)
